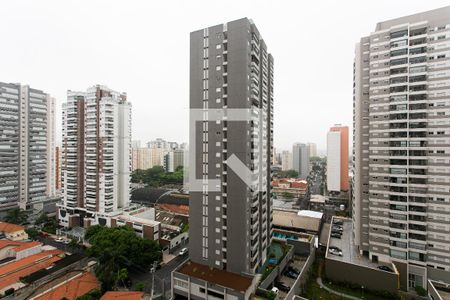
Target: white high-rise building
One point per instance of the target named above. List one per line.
(401, 186)
(286, 160)
(27, 157)
(96, 156)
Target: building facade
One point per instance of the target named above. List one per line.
(401, 195)
(286, 160)
(27, 164)
(300, 159)
(230, 225)
(96, 156)
(337, 159)
(312, 149)
(174, 159)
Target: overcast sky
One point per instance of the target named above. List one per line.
(142, 48)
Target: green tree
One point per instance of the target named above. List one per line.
(119, 248)
(157, 176)
(32, 233)
(140, 286)
(287, 195)
(288, 174)
(16, 216)
(95, 294)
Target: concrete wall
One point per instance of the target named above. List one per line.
(190, 287)
(372, 279)
(301, 279)
(277, 270)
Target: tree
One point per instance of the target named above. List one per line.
(46, 223)
(16, 216)
(32, 233)
(157, 176)
(287, 195)
(288, 174)
(140, 286)
(95, 294)
(119, 248)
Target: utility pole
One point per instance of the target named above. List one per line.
(152, 270)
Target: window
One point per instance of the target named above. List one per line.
(218, 46)
(218, 68)
(218, 90)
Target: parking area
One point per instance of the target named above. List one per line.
(350, 253)
(297, 263)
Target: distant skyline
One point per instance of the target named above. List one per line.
(142, 48)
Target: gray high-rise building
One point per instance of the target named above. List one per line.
(27, 148)
(300, 159)
(401, 151)
(230, 227)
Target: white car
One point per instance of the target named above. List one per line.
(275, 290)
(59, 240)
(335, 251)
(183, 251)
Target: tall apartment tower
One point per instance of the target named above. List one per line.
(230, 226)
(312, 149)
(27, 164)
(337, 159)
(300, 159)
(286, 160)
(401, 199)
(96, 156)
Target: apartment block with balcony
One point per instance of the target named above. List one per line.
(401, 158)
(27, 159)
(96, 157)
(231, 225)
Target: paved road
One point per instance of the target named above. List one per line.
(162, 277)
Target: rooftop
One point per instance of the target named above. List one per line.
(122, 295)
(350, 253)
(317, 198)
(288, 218)
(220, 277)
(9, 228)
(441, 288)
(18, 246)
(11, 272)
(70, 287)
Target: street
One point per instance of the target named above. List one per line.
(162, 276)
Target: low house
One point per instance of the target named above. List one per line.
(13, 232)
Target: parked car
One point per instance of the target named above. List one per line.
(275, 290)
(67, 242)
(291, 274)
(335, 251)
(59, 240)
(385, 268)
(283, 287)
(183, 251)
(336, 235)
(293, 269)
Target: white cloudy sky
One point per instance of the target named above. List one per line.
(142, 48)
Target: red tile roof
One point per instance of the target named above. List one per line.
(9, 228)
(71, 290)
(221, 277)
(18, 246)
(175, 208)
(11, 273)
(26, 245)
(122, 295)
